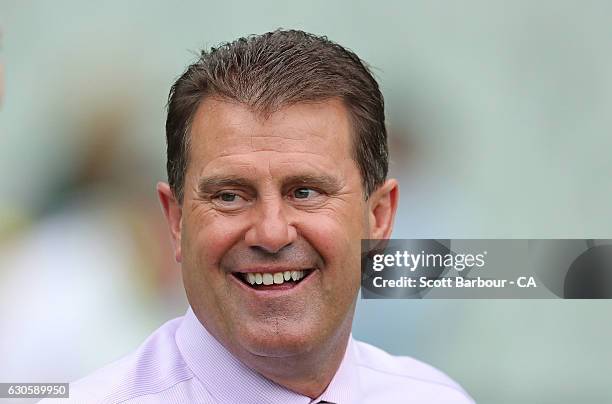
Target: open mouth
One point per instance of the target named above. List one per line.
(272, 280)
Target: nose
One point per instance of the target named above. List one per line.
(270, 230)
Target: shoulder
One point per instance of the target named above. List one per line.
(385, 375)
(156, 366)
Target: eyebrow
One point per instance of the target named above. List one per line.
(207, 184)
(325, 182)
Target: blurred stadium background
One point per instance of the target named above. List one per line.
(500, 125)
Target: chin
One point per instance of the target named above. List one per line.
(278, 339)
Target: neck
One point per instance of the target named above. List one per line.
(307, 373)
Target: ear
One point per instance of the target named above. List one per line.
(382, 205)
(173, 212)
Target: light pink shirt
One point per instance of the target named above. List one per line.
(182, 363)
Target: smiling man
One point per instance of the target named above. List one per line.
(277, 163)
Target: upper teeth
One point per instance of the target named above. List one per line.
(273, 278)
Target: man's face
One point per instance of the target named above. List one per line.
(263, 197)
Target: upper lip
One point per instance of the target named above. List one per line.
(271, 270)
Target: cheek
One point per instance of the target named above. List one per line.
(340, 247)
(208, 238)
(337, 239)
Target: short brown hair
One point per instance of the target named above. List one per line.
(276, 69)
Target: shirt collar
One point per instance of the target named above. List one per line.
(230, 381)
(345, 386)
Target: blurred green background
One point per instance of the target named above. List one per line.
(500, 126)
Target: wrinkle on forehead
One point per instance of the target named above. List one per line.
(221, 128)
(228, 139)
(277, 164)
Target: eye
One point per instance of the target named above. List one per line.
(228, 197)
(229, 200)
(304, 193)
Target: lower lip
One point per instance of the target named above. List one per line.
(275, 289)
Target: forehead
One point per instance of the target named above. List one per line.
(310, 134)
